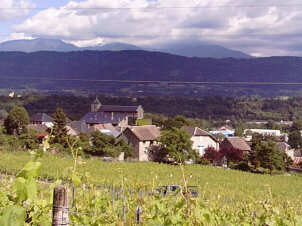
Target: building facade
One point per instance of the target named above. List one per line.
(142, 139)
(201, 139)
(120, 116)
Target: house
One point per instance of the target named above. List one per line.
(120, 116)
(201, 139)
(75, 128)
(107, 129)
(226, 131)
(264, 132)
(284, 147)
(141, 138)
(236, 143)
(260, 122)
(226, 127)
(287, 123)
(42, 119)
(41, 131)
(39, 128)
(297, 161)
(11, 94)
(97, 118)
(71, 131)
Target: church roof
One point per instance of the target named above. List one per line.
(115, 108)
(103, 117)
(96, 101)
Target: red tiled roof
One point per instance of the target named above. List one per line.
(195, 131)
(42, 135)
(239, 143)
(297, 161)
(145, 133)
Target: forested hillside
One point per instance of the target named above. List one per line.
(210, 108)
(148, 66)
(142, 73)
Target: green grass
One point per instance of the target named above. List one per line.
(143, 122)
(213, 182)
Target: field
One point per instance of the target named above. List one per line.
(226, 197)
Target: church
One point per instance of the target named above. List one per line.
(119, 116)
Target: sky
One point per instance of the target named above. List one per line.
(259, 28)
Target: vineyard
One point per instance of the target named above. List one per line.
(108, 193)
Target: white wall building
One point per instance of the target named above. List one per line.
(264, 132)
(201, 139)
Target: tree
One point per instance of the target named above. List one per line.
(105, 145)
(268, 156)
(231, 154)
(59, 129)
(220, 137)
(297, 125)
(294, 139)
(29, 140)
(122, 146)
(3, 114)
(176, 122)
(239, 130)
(176, 144)
(272, 125)
(257, 138)
(212, 155)
(16, 121)
(157, 119)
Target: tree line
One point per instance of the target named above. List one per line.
(208, 108)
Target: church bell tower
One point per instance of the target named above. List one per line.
(95, 106)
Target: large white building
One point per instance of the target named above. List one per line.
(264, 132)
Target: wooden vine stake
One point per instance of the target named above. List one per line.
(60, 207)
(138, 214)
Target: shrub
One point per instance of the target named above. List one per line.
(203, 161)
(212, 155)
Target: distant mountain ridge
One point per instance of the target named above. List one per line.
(39, 44)
(203, 51)
(115, 46)
(147, 66)
(196, 50)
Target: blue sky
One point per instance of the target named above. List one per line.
(263, 28)
(50, 3)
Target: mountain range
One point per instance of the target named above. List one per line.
(188, 50)
(147, 66)
(86, 70)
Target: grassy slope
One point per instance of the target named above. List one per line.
(234, 185)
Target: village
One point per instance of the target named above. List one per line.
(221, 146)
(150, 112)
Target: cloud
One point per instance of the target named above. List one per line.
(256, 30)
(89, 42)
(12, 9)
(16, 36)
